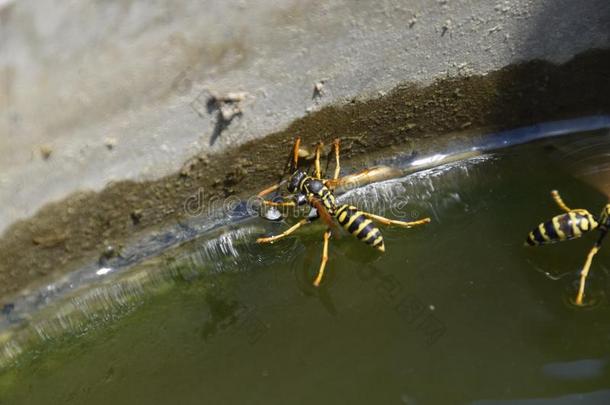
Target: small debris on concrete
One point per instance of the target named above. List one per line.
(212, 101)
(318, 88)
(412, 21)
(503, 8)
(45, 152)
(228, 111)
(494, 29)
(226, 107)
(110, 142)
(136, 216)
(49, 241)
(318, 92)
(229, 105)
(232, 97)
(446, 27)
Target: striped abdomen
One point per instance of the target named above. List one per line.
(566, 226)
(311, 186)
(356, 223)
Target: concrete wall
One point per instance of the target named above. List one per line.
(99, 91)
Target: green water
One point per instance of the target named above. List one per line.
(455, 312)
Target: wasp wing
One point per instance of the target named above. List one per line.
(363, 177)
(324, 215)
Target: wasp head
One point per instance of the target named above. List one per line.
(295, 180)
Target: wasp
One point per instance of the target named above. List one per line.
(318, 193)
(573, 224)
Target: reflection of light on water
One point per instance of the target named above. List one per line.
(430, 189)
(232, 251)
(272, 214)
(594, 397)
(576, 370)
(430, 160)
(117, 293)
(103, 271)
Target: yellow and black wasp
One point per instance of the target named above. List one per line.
(571, 225)
(318, 193)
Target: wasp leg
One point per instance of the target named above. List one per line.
(288, 201)
(557, 198)
(585, 269)
(584, 273)
(318, 279)
(280, 204)
(337, 165)
(387, 221)
(283, 234)
(318, 171)
(269, 190)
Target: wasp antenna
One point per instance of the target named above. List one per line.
(295, 153)
(318, 172)
(337, 164)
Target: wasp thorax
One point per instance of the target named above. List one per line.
(295, 180)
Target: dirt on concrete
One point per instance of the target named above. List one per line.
(65, 234)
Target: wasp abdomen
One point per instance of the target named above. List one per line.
(562, 227)
(355, 222)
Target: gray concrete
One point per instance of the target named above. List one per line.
(117, 89)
